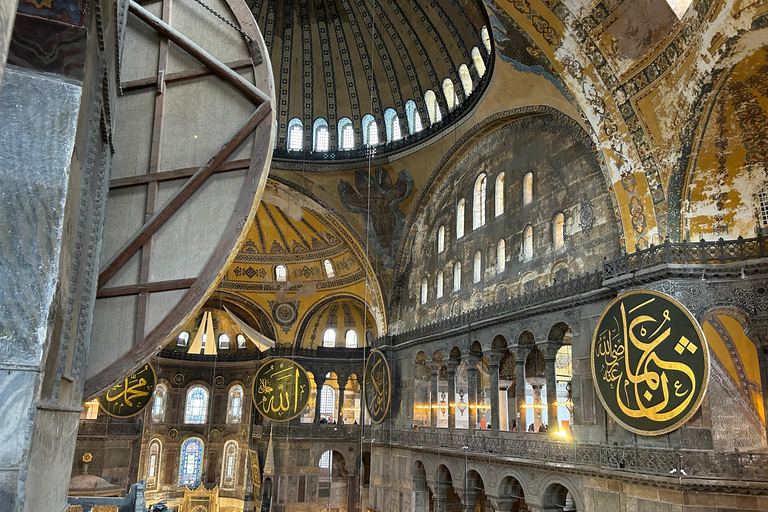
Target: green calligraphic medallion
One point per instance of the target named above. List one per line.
(129, 396)
(377, 386)
(280, 389)
(650, 362)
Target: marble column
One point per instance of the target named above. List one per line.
(450, 367)
(472, 360)
(319, 382)
(434, 377)
(550, 354)
(494, 358)
(520, 354)
(342, 387)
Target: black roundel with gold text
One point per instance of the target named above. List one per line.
(129, 396)
(377, 386)
(280, 389)
(650, 362)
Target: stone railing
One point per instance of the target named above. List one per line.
(109, 428)
(323, 352)
(689, 253)
(310, 430)
(501, 311)
(679, 464)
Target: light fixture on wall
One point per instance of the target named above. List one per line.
(443, 402)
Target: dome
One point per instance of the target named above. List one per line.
(354, 76)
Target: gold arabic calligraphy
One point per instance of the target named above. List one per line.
(282, 390)
(129, 396)
(633, 363)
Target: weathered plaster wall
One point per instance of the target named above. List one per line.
(566, 179)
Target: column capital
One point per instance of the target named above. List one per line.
(549, 348)
(434, 366)
(472, 359)
(759, 334)
(451, 365)
(521, 352)
(494, 356)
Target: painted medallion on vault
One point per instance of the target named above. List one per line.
(650, 362)
(280, 389)
(377, 386)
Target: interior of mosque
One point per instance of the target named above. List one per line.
(390, 256)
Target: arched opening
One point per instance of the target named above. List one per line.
(370, 131)
(528, 243)
(295, 134)
(422, 495)
(478, 203)
(460, 206)
(421, 391)
(535, 392)
(433, 108)
(558, 231)
(332, 480)
(499, 195)
(477, 273)
(191, 462)
(229, 465)
(159, 403)
(235, 404)
(153, 463)
(457, 276)
(440, 239)
(196, 408)
(413, 117)
(501, 256)
(346, 134)
(392, 125)
(477, 58)
(475, 497)
(320, 135)
(449, 93)
(445, 482)
(511, 495)
(528, 188)
(466, 79)
(558, 498)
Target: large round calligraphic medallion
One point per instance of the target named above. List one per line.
(280, 389)
(650, 362)
(377, 386)
(129, 396)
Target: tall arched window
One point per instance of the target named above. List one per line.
(440, 239)
(196, 408)
(229, 465)
(327, 401)
(329, 338)
(295, 130)
(486, 38)
(424, 291)
(433, 110)
(350, 339)
(466, 80)
(413, 117)
(558, 230)
(460, 218)
(528, 188)
(528, 243)
(501, 256)
(478, 270)
(449, 93)
(281, 273)
(478, 205)
(499, 194)
(478, 60)
(224, 341)
(158, 403)
(370, 131)
(439, 284)
(153, 462)
(191, 462)
(346, 134)
(329, 273)
(392, 125)
(235, 404)
(320, 135)
(457, 276)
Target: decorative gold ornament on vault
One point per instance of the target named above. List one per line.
(280, 389)
(650, 362)
(129, 396)
(377, 386)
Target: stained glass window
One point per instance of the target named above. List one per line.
(158, 405)
(230, 465)
(197, 405)
(235, 404)
(191, 465)
(154, 457)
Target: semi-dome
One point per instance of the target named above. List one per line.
(355, 76)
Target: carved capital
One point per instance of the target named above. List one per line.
(549, 349)
(451, 365)
(520, 352)
(472, 359)
(434, 366)
(494, 356)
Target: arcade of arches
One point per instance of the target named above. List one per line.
(206, 186)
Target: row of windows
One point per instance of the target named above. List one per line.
(190, 463)
(281, 271)
(350, 338)
(224, 341)
(558, 235)
(478, 206)
(371, 137)
(196, 405)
